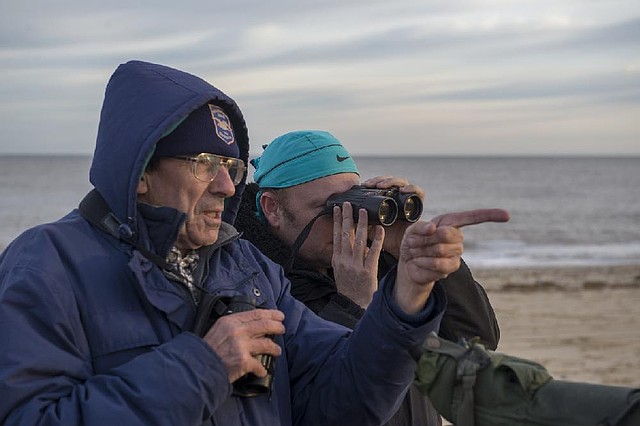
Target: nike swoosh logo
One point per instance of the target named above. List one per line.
(341, 159)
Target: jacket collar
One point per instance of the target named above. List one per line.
(162, 225)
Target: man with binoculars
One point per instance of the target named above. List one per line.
(335, 237)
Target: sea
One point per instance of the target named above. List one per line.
(565, 211)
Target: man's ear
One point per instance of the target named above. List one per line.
(270, 208)
(142, 185)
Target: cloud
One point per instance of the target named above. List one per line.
(372, 70)
(595, 87)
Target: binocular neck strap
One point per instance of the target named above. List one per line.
(95, 209)
(300, 240)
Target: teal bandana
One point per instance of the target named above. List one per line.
(298, 157)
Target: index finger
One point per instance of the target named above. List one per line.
(385, 182)
(259, 314)
(471, 217)
(337, 230)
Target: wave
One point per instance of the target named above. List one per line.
(503, 253)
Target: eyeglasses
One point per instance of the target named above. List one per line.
(206, 166)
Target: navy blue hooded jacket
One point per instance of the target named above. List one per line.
(93, 333)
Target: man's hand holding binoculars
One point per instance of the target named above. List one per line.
(239, 337)
(354, 263)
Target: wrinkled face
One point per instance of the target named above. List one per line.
(300, 204)
(172, 184)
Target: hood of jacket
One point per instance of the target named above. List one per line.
(142, 103)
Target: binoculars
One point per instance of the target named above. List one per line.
(248, 385)
(383, 206)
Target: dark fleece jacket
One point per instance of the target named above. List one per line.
(468, 312)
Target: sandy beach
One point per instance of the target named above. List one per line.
(581, 323)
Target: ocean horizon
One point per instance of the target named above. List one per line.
(565, 210)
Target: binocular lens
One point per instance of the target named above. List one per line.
(387, 212)
(412, 208)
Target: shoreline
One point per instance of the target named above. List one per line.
(581, 323)
(561, 278)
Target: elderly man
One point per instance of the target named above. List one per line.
(121, 312)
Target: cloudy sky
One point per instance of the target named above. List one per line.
(387, 77)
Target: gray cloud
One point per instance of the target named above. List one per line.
(332, 64)
(604, 86)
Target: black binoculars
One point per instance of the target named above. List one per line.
(249, 384)
(383, 206)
